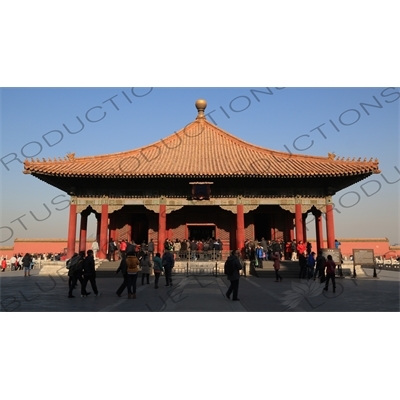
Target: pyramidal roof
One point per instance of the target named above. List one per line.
(201, 150)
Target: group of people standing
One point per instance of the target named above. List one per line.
(19, 262)
(135, 261)
(313, 267)
(195, 249)
(124, 247)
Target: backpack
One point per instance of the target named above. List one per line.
(229, 266)
(72, 263)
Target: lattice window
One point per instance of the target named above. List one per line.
(249, 232)
(123, 233)
(178, 232)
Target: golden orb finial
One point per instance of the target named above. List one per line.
(201, 106)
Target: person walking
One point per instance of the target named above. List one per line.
(3, 264)
(310, 265)
(277, 265)
(232, 268)
(330, 273)
(145, 265)
(320, 267)
(168, 263)
(123, 268)
(26, 263)
(132, 268)
(303, 266)
(89, 275)
(158, 268)
(75, 266)
(259, 255)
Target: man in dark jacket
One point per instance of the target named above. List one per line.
(168, 263)
(123, 268)
(131, 246)
(89, 274)
(184, 248)
(320, 267)
(75, 266)
(303, 265)
(112, 248)
(233, 274)
(26, 263)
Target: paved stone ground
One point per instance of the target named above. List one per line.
(203, 294)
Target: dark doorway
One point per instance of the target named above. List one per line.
(199, 232)
(262, 226)
(140, 228)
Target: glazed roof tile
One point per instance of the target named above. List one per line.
(201, 150)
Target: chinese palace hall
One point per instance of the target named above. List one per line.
(197, 183)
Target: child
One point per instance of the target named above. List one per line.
(277, 265)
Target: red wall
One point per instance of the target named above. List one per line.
(54, 246)
(381, 247)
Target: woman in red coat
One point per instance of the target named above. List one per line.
(301, 248)
(3, 264)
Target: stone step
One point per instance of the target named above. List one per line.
(106, 269)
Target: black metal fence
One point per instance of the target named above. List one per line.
(193, 267)
(201, 255)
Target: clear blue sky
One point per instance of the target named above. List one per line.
(277, 121)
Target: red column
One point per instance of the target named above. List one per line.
(162, 227)
(299, 223)
(318, 231)
(240, 227)
(83, 231)
(330, 227)
(113, 224)
(71, 230)
(102, 253)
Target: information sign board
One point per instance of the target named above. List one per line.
(363, 257)
(335, 253)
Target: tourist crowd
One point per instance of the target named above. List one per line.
(205, 249)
